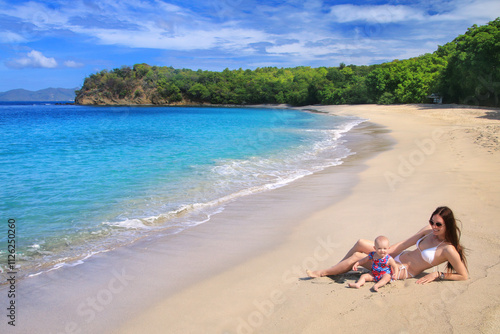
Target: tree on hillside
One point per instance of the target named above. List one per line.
(466, 70)
(473, 72)
(405, 81)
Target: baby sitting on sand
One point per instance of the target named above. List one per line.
(383, 268)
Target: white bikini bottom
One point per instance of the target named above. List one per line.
(402, 267)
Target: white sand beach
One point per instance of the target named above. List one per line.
(443, 155)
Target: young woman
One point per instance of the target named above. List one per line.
(436, 243)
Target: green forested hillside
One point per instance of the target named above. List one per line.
(466, 70)
(472, 74)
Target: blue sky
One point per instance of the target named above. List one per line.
(58, 43)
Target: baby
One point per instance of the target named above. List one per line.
(383, 268)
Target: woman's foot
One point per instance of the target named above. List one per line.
(313, 274)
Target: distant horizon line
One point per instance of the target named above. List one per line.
(29, 90)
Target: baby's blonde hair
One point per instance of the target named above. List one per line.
(381, 239)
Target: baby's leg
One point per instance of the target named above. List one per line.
(383, 281)
(361, 281)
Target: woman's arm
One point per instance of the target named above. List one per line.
(394, 268)
(453, 257)
(402, 245)
(360, 263)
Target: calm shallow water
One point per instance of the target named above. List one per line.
(81, 180)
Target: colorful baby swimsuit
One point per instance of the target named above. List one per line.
(380, 266)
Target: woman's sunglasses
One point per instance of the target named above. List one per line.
(433, 223)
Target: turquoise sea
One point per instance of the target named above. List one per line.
(81, 180)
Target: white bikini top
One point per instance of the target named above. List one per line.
(429, 253)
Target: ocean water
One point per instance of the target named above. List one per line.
(80, 180)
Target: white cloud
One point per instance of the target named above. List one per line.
(476, 11)
(226, 38)
(11, 37)
(375, 14)
(73, 64)
(36, 14)
(233, 29)
(34, 59)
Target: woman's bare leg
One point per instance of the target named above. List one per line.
(361, 246)
(360, 249)
(340, 268)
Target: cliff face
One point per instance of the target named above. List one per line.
(97, 98)
(101, 100)
(140, 85)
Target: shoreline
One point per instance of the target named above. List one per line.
(437, 160)
(51, 253)
(206, 250)
(256, 287)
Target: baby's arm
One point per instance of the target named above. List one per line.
(394, 268)
(360, 263)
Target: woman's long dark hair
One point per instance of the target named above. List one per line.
(452, 234)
